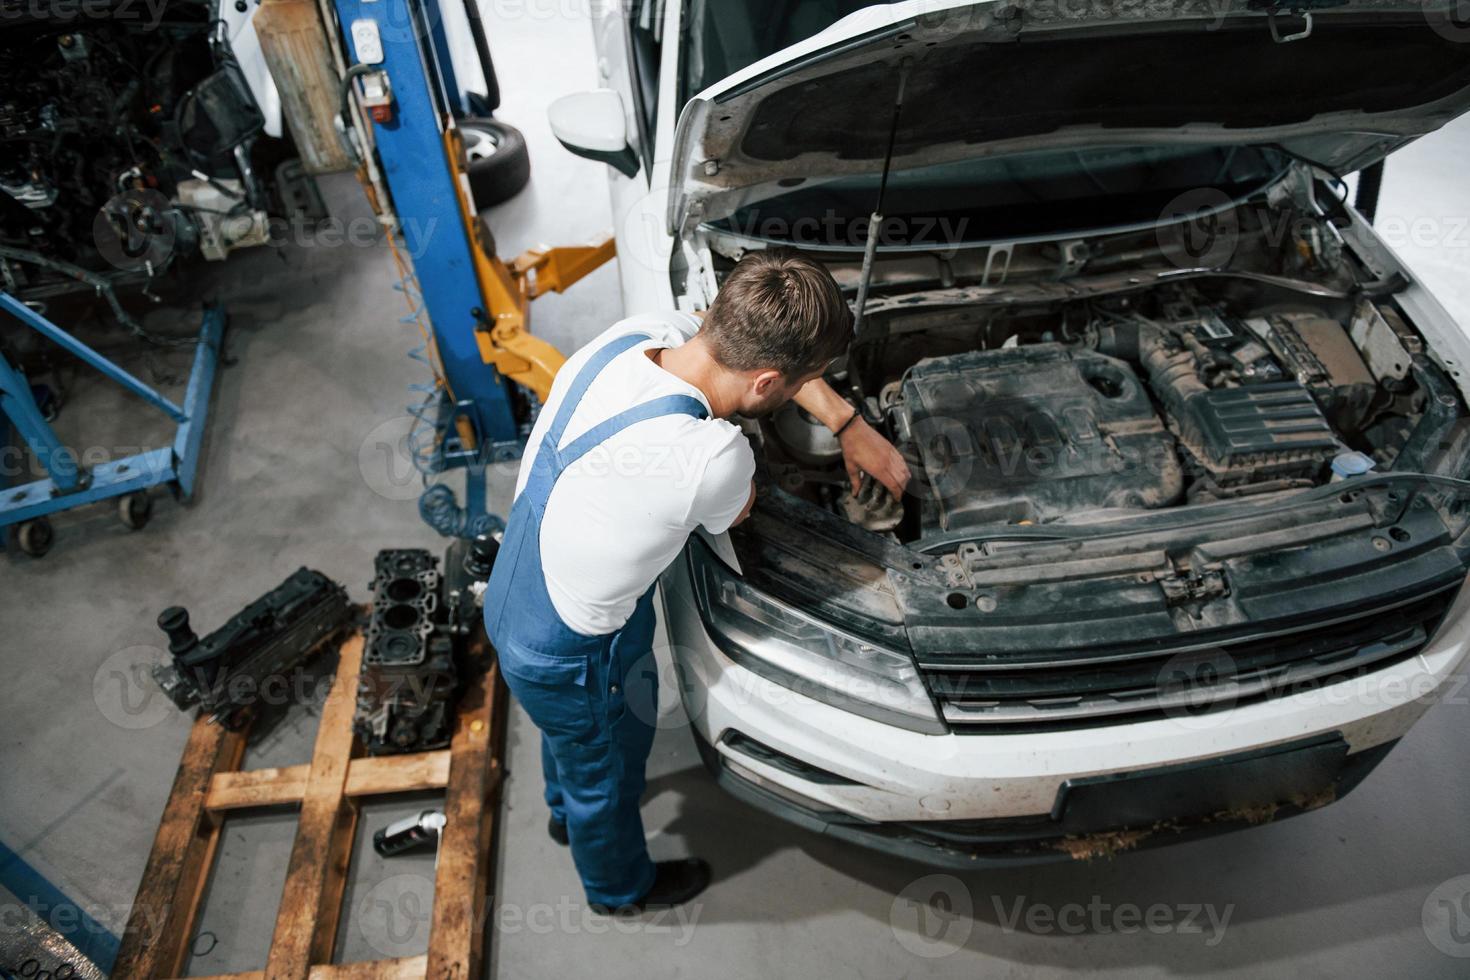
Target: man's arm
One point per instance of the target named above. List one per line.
(864, 450)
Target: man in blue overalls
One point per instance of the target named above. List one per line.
(630, 454)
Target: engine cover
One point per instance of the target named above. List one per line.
(1033, 433)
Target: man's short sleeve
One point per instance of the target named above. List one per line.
(724, 489)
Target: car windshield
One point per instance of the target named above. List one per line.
(721, 37)
(1008, 198)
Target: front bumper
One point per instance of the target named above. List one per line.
(960, 799)
(962, 844)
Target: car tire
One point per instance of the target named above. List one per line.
(497, 162)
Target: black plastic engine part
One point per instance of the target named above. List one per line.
(1033, 433)
(220, 113)
(1259, 431)
(226, 672)
(415, 657)
(1248, 428)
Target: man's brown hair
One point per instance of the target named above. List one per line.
(778, 309)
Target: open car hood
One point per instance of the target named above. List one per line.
(1002, 77)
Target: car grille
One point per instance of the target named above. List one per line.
(1182, 681)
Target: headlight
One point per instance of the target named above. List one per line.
(799, 652)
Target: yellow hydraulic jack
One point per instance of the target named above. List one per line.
(503, 332)
(473, 307)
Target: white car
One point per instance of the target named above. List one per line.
(1187, 538)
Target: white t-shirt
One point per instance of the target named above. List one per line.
(621, 514)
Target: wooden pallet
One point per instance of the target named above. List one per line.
(210, 784)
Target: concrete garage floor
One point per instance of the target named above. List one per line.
(294, 474)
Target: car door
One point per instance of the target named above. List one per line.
(628, 39)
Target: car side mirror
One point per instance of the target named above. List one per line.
(591, 125)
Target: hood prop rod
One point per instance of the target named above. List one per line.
(875, 220)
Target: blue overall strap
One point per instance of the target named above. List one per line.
(600, 433)
(584, 378)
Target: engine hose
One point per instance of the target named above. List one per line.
(440, 509)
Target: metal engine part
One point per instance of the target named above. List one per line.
(872, 507)
(224, 673)
(805, 438)
(415, 656)
(1032, 433)
(1266, 430)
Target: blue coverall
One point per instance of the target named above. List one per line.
(576, 687)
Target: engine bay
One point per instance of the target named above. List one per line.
(1081, 411)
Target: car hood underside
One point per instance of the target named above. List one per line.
(990, 79)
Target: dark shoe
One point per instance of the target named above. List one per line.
(675, 883)
(557, 831)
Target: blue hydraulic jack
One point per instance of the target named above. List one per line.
(473, 307)
(68, 483)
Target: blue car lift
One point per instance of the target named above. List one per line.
(472, 307)
(68, 484)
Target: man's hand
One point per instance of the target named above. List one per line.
(864, 450)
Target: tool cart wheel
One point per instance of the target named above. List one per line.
(34, 537)
(135, 508)
(499, 165)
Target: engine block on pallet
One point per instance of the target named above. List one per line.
(413, 663)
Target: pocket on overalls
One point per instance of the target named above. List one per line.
(541, 667)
